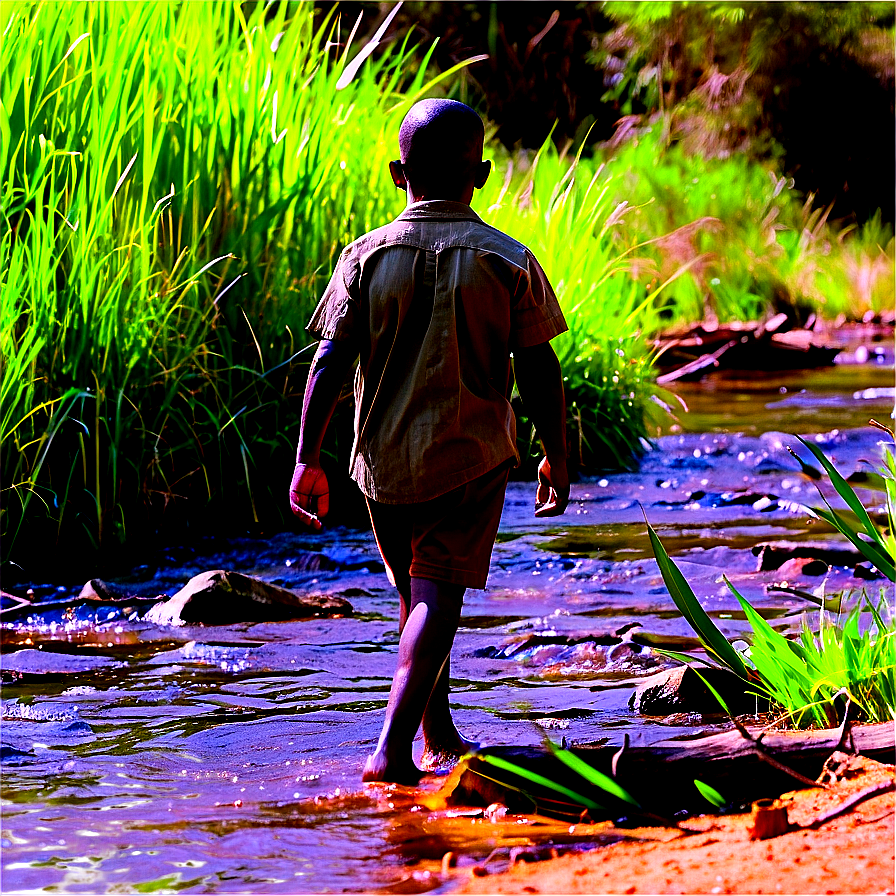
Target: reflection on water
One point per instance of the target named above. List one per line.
(138, 758)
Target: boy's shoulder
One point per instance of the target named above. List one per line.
(438, 233)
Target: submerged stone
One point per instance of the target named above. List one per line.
(98, 590)
(223, 597)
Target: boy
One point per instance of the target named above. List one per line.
(433, 304)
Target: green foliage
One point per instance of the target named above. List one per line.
(858, 527)
(713, 641)
(710, 794)
(855, 657)
(601, 784)
(806, 676)
(539, 780)
(752, 242)
(178, 180)
(777, 81)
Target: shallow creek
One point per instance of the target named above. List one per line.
(147, 759)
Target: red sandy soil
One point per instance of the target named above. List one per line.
(853, 853)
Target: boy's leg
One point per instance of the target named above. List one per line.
(422, 654)
(443, 744)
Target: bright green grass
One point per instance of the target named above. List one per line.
(177, 182)
(752, 237)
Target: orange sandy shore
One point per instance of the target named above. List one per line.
(853, 853)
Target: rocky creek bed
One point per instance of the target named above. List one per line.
(141, 755)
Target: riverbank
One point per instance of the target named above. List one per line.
(714, 854)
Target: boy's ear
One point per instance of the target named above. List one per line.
(398, 176)
(480, 176)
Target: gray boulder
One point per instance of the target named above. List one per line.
(223, 597)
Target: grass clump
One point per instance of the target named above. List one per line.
(753, 241)
(808, 675)
(178, 180)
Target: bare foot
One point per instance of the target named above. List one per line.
(378, 768)
(444, 753)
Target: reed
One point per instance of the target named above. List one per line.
(177, 182)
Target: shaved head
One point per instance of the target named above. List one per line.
(440, 143)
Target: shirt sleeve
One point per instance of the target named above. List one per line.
(535, 315)
(336, 314)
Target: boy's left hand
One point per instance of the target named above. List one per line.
(309, 495)
(553, 489)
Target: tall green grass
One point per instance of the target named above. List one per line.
(177, 180)
(753, 240)
(564, 210)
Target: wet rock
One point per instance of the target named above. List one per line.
(12, 756)
(223, 597)
(544, 645)
(802, 566)
(775, 555)
(98, 590)
(682, 690)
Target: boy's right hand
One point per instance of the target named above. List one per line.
(553, 489)
(309, 495)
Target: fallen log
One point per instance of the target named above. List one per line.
(769, 346)
(661, 776)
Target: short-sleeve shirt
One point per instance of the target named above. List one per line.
(435, 302)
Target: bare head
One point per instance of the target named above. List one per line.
(441, 152)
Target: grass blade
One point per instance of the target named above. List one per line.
(710, 794)
(591, 774)
(535, 778)
(689, 607)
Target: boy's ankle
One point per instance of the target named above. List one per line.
(379, 768)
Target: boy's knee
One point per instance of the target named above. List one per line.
(445, 599)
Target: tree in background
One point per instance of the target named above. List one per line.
(809, 86)
(811, 83)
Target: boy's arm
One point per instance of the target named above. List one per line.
(309, 492)
(540, 384)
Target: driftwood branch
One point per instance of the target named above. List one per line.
(765, 756)
(843, 808)
(661, 776)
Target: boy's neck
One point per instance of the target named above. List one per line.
(465, 196)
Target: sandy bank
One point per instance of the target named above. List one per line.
(853, 853)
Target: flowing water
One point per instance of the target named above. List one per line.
(139, 758)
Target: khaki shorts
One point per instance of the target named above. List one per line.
(449, 538)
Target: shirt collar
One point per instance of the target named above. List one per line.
(439, 209)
